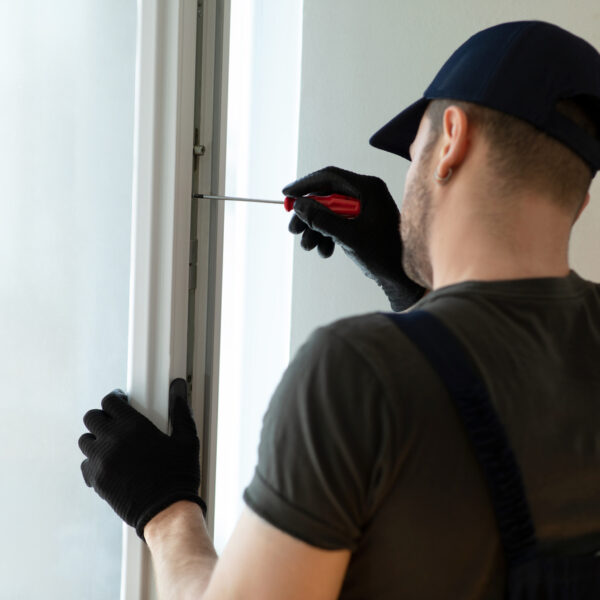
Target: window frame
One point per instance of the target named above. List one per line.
(171, 54)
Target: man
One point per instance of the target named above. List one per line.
(366, 485)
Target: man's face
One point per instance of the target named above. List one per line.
(417, 208)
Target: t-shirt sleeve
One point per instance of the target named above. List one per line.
(325, 455)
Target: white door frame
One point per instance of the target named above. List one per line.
(161, 219)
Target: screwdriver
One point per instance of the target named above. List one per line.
(345, 206)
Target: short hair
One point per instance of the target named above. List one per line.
(524, 157)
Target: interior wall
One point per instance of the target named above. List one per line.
(361, 65)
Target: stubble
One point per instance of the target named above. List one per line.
(415, 225)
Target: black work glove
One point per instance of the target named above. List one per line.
(372, 240)
(135, 467)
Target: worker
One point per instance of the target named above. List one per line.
(367, 485)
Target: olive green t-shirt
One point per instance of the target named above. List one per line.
(361, 447)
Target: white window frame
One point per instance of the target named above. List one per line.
(163, 183)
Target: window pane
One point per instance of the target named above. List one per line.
(262, 133)
(67, 79)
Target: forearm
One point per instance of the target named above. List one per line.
(182, 551)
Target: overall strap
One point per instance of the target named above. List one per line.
(456, 369)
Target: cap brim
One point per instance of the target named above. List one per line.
(397, 135)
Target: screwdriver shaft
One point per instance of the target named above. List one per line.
(236, 199)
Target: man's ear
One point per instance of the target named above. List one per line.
(455, 139)
(583, 205)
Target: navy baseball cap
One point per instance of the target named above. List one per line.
(522, 69)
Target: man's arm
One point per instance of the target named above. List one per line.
(182, 552)
(260, 561)
(151, 480)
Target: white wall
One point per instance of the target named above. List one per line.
(361, 64)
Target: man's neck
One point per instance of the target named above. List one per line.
(531, 242)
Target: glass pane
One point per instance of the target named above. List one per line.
(67, 73)
(262, 123)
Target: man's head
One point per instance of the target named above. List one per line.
(522, 157)
(496, 166)
(526, 106)
(523, 69)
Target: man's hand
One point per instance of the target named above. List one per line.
(372, 239)
(135, 467)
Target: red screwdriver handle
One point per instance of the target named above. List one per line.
(345, 206)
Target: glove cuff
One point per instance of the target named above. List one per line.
(163, 503)
(402, 292)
